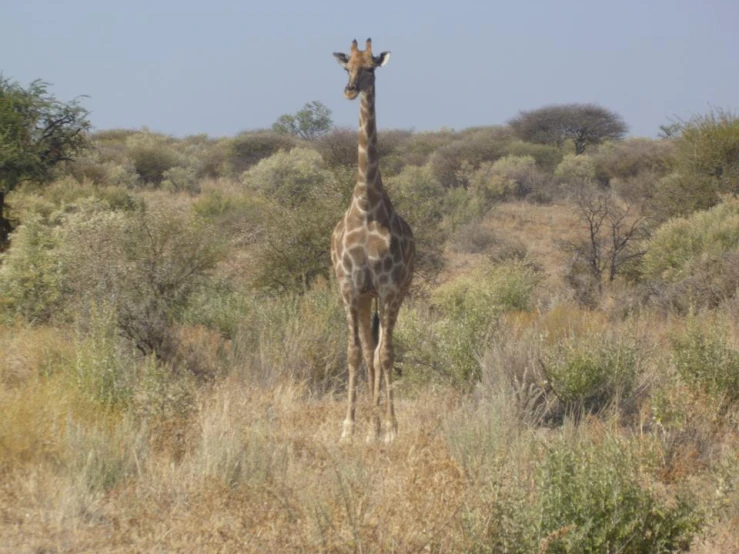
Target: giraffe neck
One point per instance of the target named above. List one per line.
(368, 192)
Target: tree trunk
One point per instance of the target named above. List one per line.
(5, 227)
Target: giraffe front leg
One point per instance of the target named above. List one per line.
(354, 359)
(373, 370)
(386, 355)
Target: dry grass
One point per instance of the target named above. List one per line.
(263, 472)
(241, 453)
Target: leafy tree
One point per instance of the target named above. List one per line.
(37, 132)
(584, 124)
(309, 123)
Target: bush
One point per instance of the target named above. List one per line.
(680, 194)
(570, 492)
(705, 360)
(547, 157)
(708, 148)
(575, 170)
(511, 176)
(247, 149)
(588, 374)
(155, 260)
(338, 147)
(418, 197)
(473, 147)
(32, 283)
(448, 343)
(682, 246)
(419, 147)
(238, 214)
(627, 159)
(289, 177)
(151, 157)
(304, 203)
(181, 179)
(592, 500)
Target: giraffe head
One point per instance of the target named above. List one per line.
(360, 65)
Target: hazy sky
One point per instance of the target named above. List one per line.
(223, 66)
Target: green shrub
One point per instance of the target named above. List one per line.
(418, 197)
(151, 157)
(591, 373)
(593, 500)
(570, 492)
(700, 245)
(289, 177)
(239, 215)
(154, 260)
(449, 343)
(575, 170)
(510, 176)
(706, 361)
(419, 146)
(547, 157)
(708, 148)
(104, 371)
(680, 194)
(32, 282)
(304, 201)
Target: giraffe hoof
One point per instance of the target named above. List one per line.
(347, 433)
(391, 431)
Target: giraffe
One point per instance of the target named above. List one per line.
(372, 253)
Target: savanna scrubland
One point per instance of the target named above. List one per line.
(173, 350)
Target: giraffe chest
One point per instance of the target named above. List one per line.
(366, 255)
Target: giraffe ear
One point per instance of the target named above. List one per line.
(342, 58)
(382, 59)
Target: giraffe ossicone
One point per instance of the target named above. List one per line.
(372, 252)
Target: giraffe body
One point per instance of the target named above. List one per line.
(372, 252)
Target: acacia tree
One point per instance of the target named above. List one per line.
(584, 124)
(37, 133)
(309, 123)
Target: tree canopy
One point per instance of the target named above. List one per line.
(37, 132)
(584, 124)
(309, 123)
